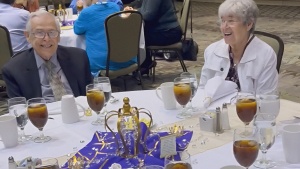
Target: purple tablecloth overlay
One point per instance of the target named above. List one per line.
(101, 151)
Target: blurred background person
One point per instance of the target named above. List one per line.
(29, 5)
(14, 20)
(74, 2)
(240, 56)
(161, 26)
(90, 23)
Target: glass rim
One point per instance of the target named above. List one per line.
(16, 99)
(36, 99)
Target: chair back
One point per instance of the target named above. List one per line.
(5, 46)
(123, 36)
(183, 22)
(275, 42)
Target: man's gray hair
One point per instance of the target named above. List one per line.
(246, 10)
(40, 13)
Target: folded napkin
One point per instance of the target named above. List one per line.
(101, 150)
(216, 88)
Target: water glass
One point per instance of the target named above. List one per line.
(194, 87)
(266, 125)
(17, 106)
(269, 103)
(104, 83)
(183, 92)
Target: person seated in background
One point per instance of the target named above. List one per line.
(240, 56)
(14, 20)
(46, 70)
(135, 4)
(29, 5)
(74, 2)
(161, 26)
(90, 23)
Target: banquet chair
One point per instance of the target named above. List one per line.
(123, 39)
(176, 47)
(275, 42)
(5, 52)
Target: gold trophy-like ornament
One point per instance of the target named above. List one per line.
(128, 126)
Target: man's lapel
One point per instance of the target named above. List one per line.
(32, 73)
(67, 67)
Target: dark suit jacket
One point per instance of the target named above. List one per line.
(22, 78)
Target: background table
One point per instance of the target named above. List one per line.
(69, 138)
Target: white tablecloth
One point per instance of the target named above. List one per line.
(69, 38)
(69, 138)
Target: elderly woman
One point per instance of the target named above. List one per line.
(240, 56)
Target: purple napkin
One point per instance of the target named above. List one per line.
(101, 150)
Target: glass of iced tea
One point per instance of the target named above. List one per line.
(246, 107)
(38, 115)
(79, 6)
(245, 146)
(180, 161)
(183, 93)
(96, 99)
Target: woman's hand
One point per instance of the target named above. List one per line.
(128, 8)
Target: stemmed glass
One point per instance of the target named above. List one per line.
(246, 107)
(18, 107)
(183, 93)
(106, 88)
(38, 115)
(266, 125)
(269, 103)
(245, 146)
(96, 100)
(194, 86)
(79, 6)
(182, 160)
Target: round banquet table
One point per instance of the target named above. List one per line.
(69, 138)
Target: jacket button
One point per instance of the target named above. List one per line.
(221, 69)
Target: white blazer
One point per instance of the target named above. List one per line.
(256, 71)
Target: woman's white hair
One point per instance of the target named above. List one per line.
(40, 13)
(246, 10)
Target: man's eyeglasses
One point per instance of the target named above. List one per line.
(41, 35)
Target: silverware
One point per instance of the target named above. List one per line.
(51, 118)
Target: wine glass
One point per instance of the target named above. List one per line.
(194, 86)
(245, 146)
(246, 107)
(96, 100)
(79, 6)
(106, 87)
(266, 125)
(38, 115)
(269, 102)
(183, 93)
(181, 160)
(18, 107)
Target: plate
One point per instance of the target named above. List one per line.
(66, 27)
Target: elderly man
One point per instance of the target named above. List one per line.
(46, 70)
(14, 19)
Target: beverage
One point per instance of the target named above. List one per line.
(182, 93)
(107, 96)
(95, 100)
(178, 165)
(194, 86)
(270, 105)
(19, 110)
(245, 152)
(38, 115)
(79, 7)
(246, 109)
(266, 137)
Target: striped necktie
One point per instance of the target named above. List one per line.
(55, 82)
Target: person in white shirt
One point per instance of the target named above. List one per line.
(14, 19)
(240, 56)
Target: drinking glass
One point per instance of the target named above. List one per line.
(245, 146)
(266, 125)
(79, 6)
(38, 115)
(48, 163)
(269, 103)
(96, 100)
(182, 160)
(106, 88)
(183, 93)
(17, 106)
(194, 86)
(246, 107)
